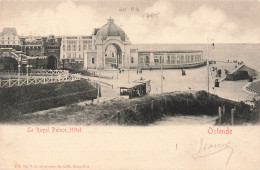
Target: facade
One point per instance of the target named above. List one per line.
(111, 48)
(73, 47)
(166, 59)
(42, 52)
(9, 38)
(10, 59)
(108, 47)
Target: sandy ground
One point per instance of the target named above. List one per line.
(195, 79)
(186, 120)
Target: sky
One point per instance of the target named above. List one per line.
(144, 21)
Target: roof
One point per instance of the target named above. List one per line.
(95, 31)
(177, 48)
(251, 72)
(111, 29)
(171, 51)
(133, 84)
(9, 31)
(129, 85)
(255, 86)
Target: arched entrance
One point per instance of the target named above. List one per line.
(113, 56)
(52, 63)
(8, 63)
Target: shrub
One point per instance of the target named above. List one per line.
(31, 98)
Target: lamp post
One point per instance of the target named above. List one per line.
(209, 41)
(161, 75)
(19, 67)
(129, 70)
(208, 64)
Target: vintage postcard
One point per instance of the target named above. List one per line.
(127, 84)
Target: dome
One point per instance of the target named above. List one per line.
(110, 29)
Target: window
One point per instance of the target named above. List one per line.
(68, 47)
(161, 59)
(132, 59)
(74, 47)
(192, 58)
(140, 60)
(168, 59)
(89, 46)
(182, 58)
(156, 59)
(147, 59)
(79, 56)
(173, 59)
(93, 60)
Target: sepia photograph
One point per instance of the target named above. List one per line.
(127, 84)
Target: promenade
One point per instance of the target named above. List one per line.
(196, 79)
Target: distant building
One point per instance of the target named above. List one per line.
(74, 47)
(166, 59)
(9, 38)
(111, 48)
(42, 52)
(107, 47)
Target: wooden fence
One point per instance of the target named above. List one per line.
(34, 72)
(28, 80)
(51, 72)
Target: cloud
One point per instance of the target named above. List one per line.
(166, 26)
(196, 27)
(67, 18)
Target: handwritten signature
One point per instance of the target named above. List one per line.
(206, 150)
(150, 15)
(132, 9)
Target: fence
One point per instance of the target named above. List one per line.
(8, 72)
(34, 72)
(28, 80)
(149, 111)
(119, 117)
(51, 72)
(222, 112)
(94, 82)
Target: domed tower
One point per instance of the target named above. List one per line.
(113, 46)
(111, 30)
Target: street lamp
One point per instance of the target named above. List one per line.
(129, 70)
(161, 75)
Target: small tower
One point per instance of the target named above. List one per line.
(44, 41)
